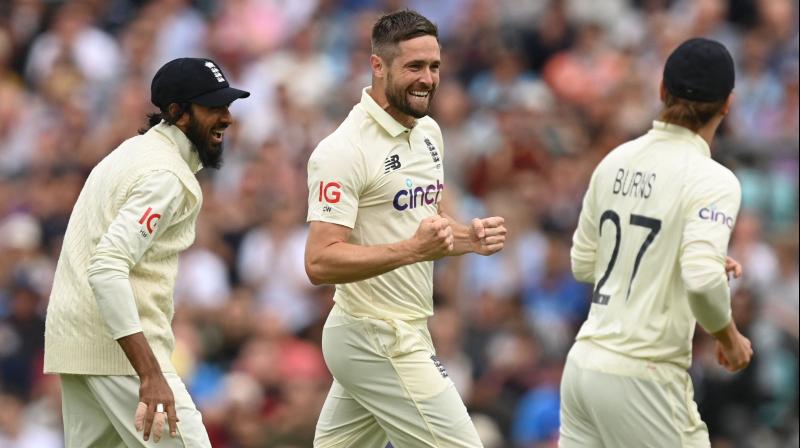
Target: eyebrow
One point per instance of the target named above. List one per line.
(423, 61)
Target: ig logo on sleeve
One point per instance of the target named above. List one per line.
(150, 221)
(330, 192)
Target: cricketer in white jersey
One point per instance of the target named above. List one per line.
(375, 185)
(652, 237)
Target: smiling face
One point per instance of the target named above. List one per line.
(410, 79)
(205, 127)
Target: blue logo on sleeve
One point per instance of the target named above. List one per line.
(712, 214)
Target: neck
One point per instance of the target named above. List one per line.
(708, 131)
(378, 93)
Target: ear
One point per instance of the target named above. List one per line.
(662, 91)
(378, 67)
(182, 116)
(728, 104)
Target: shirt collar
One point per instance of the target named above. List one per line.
(182, 143)
(392, 126)
(683, 133)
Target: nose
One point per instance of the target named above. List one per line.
(226, 116)
(426, 77)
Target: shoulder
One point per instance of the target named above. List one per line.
(429, 124)
(626, 149)
(346, 138)
(707, 177)
(616, 155)
(430, 127)
(705, 170)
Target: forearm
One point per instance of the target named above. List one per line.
(141, 356)
(727, 334)
(343, 262)
(462, 241)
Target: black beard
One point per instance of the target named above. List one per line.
(398, 100)
(210, 155)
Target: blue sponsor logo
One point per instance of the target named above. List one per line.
(414, 197)
(712, 214)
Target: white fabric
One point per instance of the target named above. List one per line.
(388, 387)
(132, 232)
(116, 238)
(99, 411)
(667, 207)
(611, 400)
(380, 179)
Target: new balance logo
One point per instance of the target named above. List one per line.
(439, 366)
(391, 163)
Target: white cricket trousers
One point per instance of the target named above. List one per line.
(388, 386)
(99, 412)
(614, 401)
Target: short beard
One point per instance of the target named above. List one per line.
(398, 100)
(210, 156)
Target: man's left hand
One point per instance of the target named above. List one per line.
(488, 235)
(732, 267)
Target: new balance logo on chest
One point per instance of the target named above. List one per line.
(391, 163)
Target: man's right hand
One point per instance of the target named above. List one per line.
(434, 238)
(734, 351)
(155, 390)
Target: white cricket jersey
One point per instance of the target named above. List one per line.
(655, 206)
(381, 179)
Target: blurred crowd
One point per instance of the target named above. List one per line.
(533, 94)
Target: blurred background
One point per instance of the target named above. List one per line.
(533, 94)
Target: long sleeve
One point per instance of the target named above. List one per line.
(584, 240)
(149, 209)
(710, 217)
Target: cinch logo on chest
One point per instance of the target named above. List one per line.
(414, 197)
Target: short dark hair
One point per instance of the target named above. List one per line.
(393, 28)
(687, 113)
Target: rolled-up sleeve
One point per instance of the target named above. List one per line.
(148, 210)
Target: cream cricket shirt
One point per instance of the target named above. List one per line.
(381, 179)
(657, 208)
(118, 263)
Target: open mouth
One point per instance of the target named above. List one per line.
(216, 135)
(419, 93)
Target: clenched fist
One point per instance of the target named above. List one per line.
(433, 238)
(488, 235)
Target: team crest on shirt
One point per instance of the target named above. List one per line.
(439, 365)
(434, 153)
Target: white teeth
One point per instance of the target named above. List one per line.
(421, 94)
